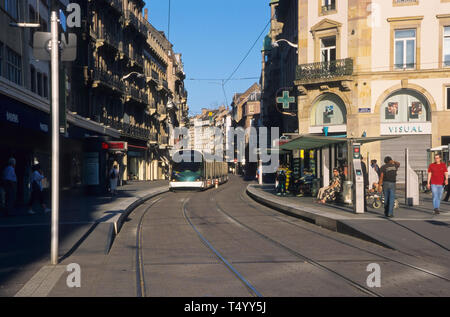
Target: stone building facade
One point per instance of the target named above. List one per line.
(374, 68)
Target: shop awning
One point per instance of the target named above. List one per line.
(311, 142)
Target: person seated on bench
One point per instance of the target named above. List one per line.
(330, 193)
(304, 184)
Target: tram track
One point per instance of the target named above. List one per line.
(386, 258)
(252, 290)
(141, 290)
(194, 220)
(299, 255)
(141, 285)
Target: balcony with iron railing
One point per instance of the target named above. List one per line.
(137, 94)
(105, 36)
(133, 20)
(324, 71)
(155, 76)
(134, 131)
(107, 79)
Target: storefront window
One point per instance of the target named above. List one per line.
(405, 106)
(329, 110)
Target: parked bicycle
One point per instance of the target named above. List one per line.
(376, 200)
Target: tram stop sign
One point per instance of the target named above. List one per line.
(41, 46)
(356, 151)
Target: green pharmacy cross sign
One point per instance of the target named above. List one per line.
(286, 100)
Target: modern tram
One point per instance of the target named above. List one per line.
(190, 170)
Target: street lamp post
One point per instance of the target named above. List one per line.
(55, 136)
(275, 44)
(54, 58)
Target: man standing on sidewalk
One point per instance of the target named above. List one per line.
(10, 183)
(437, 178)
(388, 178)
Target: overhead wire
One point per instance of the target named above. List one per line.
(248, 53)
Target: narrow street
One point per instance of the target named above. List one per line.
(221, 243)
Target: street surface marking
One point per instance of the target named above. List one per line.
(41, 284)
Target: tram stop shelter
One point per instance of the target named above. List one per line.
(320, 154)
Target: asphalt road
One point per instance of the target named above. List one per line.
(222, 243)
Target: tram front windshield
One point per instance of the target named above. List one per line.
(187, 171)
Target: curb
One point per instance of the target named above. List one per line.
(118, 220)
(330, 223)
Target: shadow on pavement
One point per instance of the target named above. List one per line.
(25, 239)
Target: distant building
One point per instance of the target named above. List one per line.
(207, 129)
(246, 112)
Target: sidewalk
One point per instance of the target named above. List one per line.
(88, 224)
(413, 230)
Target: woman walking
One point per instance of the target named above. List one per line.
(113, 177)
(36, 190)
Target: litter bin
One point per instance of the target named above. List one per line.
(347, 192)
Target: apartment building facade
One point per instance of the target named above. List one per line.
(128, 81)
(116, 94)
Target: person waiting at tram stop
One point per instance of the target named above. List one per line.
(281, 181)
(303, 185)
(329, 193)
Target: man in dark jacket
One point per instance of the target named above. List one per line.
(388, 179)
(366, 180)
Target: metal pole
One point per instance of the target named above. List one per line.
(55, 136)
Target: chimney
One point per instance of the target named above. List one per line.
(146, 14)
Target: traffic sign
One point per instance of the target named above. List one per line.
(41, 46)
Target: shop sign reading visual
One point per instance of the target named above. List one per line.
(405, 128)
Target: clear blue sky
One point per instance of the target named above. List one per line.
(214, 36)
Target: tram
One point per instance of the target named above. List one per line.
(190, 170)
